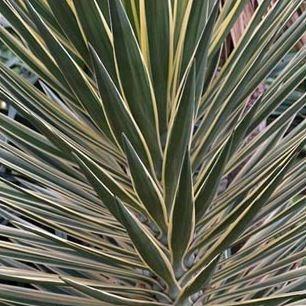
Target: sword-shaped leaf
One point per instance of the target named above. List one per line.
(182, 217)
(135, 80)
(118, 115)
(146, 188)
(146, 245)
(158, 35)
(97, 32)
(179, 137)
(74, 76)
(211, 180)
(242, 220)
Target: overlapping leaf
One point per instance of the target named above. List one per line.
(138, 174)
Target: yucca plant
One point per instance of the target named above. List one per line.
(136, 181)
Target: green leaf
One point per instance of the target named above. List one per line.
(270, 104)
(250, 208)
(225, 26)
(196, 23)
(182, 218)
(97, 32)
(28, 135)
(147, 247)
(178, 140)
(211, 179)
(201, 54)
(93, 218)
(277, 124)
(105, 186)
(83, 251)
(33, 62)
(135, 80)
(68, 23)
(118, 115)
(146, 188)
(75, 77)
(157, 18)
(199, 281)
(30, 36)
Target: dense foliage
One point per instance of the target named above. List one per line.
(138, 178)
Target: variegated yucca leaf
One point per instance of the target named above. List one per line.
(139, 179)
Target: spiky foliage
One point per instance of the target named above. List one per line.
(136, 185)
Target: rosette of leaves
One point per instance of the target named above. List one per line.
(117, 196)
